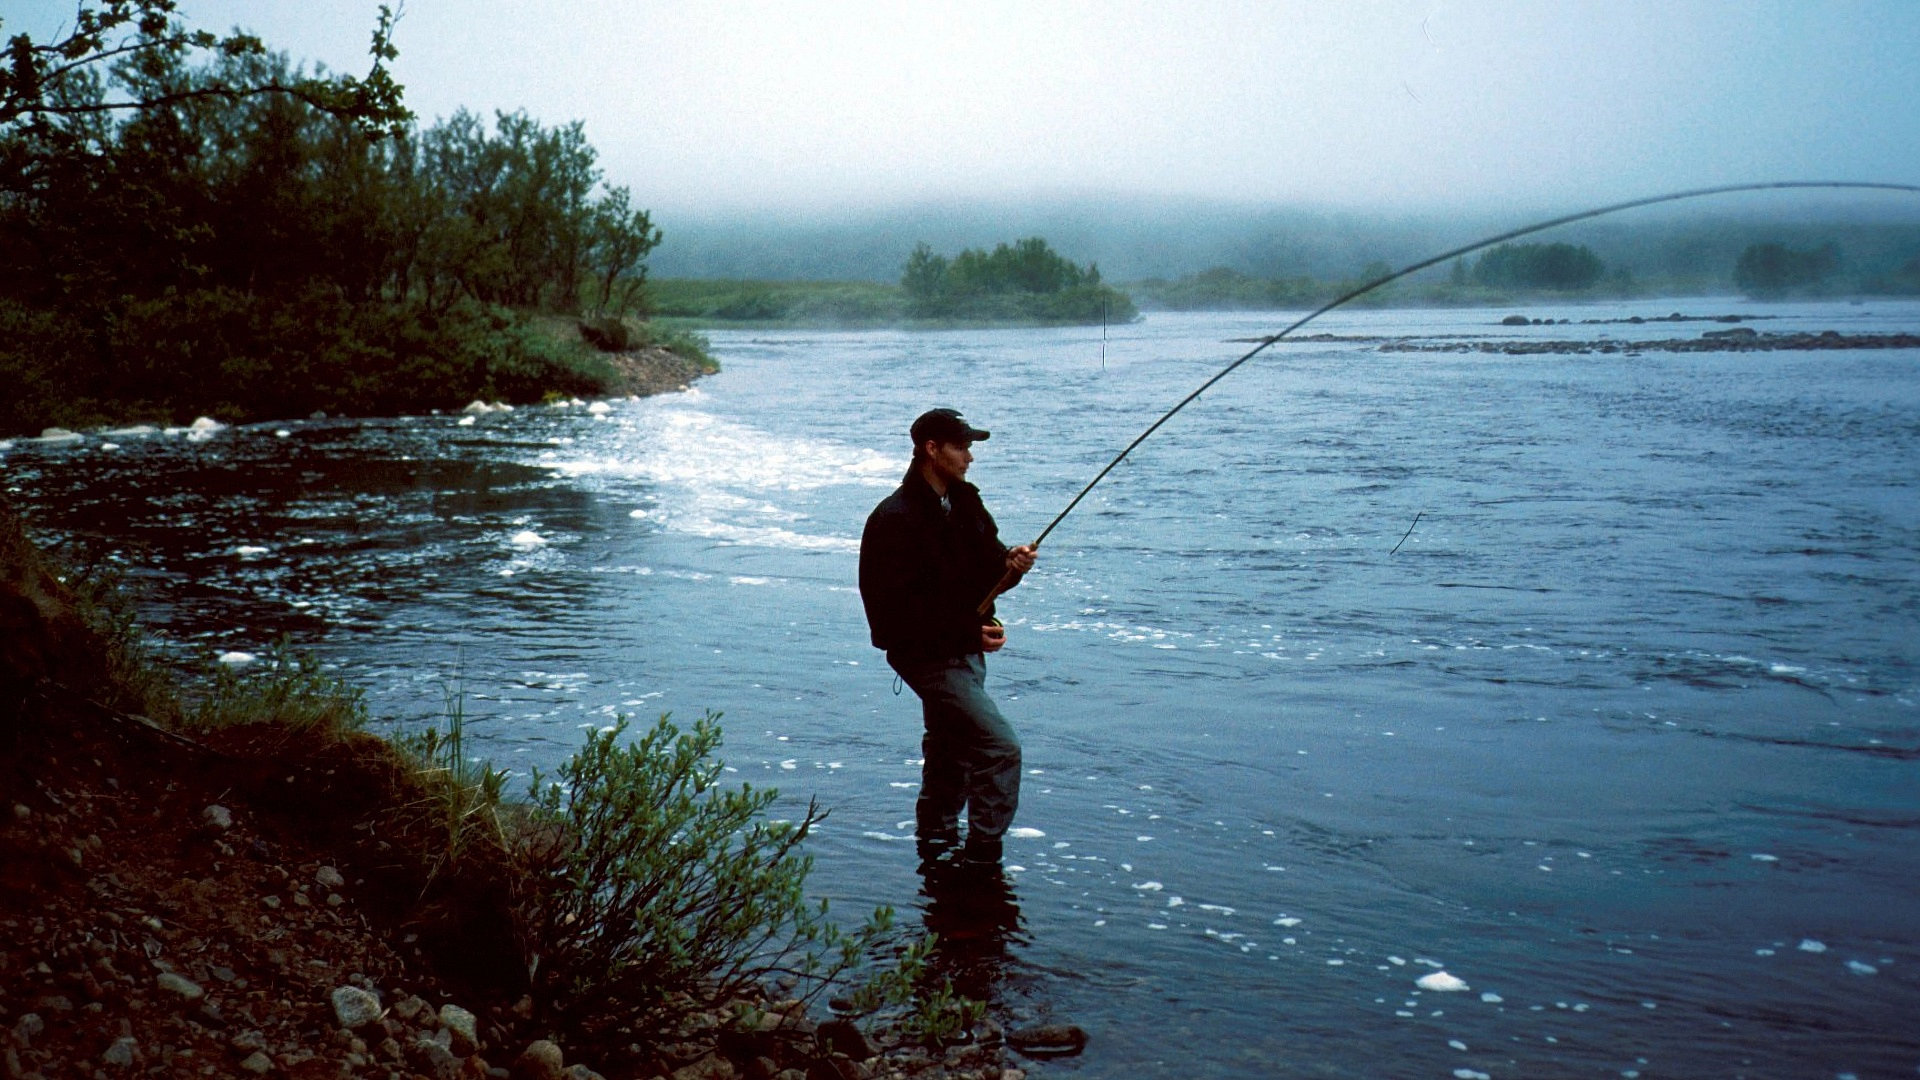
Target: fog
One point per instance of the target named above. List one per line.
(824, 139)
(1415, 105)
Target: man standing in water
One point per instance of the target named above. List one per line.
(930, 554)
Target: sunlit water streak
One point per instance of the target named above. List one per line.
(1623, 739)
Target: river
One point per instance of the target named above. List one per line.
(1623, 737)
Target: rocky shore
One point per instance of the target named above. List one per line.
(653, 370)
(1740, 339)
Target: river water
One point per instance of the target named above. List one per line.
(1623, 738)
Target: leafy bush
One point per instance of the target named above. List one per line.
(658, 889)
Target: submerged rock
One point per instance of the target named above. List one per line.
(1048, 1040)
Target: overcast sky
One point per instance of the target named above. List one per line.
(1410, 104)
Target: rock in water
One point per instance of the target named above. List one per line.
(1048, 1040)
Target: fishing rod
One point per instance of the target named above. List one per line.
(1354, 294)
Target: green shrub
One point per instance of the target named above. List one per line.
(660, 890)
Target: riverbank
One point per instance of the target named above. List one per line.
(287, 895)
(370, 361)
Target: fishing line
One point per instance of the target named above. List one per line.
(1409, 532)
(1356, 293)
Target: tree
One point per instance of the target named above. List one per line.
(1023, 280)
(1560, 267)
(925, 281)
(1772, 269)
(44, 81)
(619, 242)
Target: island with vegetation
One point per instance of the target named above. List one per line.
(1025, 283)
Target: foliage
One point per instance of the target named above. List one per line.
(662, 888)
(285, 688)
(43, 81)
(1026, 280)
(1557, 267)
(805, 303)
(1772, 270)
(464, 799)
(189, 225)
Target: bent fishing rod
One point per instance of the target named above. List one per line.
(1353, 294)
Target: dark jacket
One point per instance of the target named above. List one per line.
(924, 570)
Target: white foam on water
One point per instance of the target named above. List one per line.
(1491, 998)
(1149, 886)
(871, 835)
(237, 659)
(1457, 1045)
(1217, 909)
(740, 579)
(1759, 857)
(1287, 921)
(1859, 968)
(1469, 1074)
(527, 538)
(1440, 982)
(1810, 945)
(1022, 832)
(467, 421)
(249, 550)
(54, 435)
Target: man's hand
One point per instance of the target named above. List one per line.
(1021, 558)
(993, 637)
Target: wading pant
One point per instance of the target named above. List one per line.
(972, 755)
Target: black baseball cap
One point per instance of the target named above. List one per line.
(945, 425)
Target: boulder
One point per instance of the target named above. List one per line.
(541, 1060)
(355, 1008)
(1048, 1040)
(463, 1025)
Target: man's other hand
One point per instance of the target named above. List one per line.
(993, 637)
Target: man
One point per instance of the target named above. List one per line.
(928, 558)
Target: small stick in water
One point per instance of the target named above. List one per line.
(1403, 539)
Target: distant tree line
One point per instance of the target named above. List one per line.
(1024, 280)
(189, 224)
(1553, 267)
(1771, 270)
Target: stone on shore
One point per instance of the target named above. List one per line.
(355, 1008)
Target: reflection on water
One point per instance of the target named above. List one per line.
(974, 913)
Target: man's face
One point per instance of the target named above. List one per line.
(949, 459)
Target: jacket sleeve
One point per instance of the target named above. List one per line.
(995, 558)
(885, 577)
